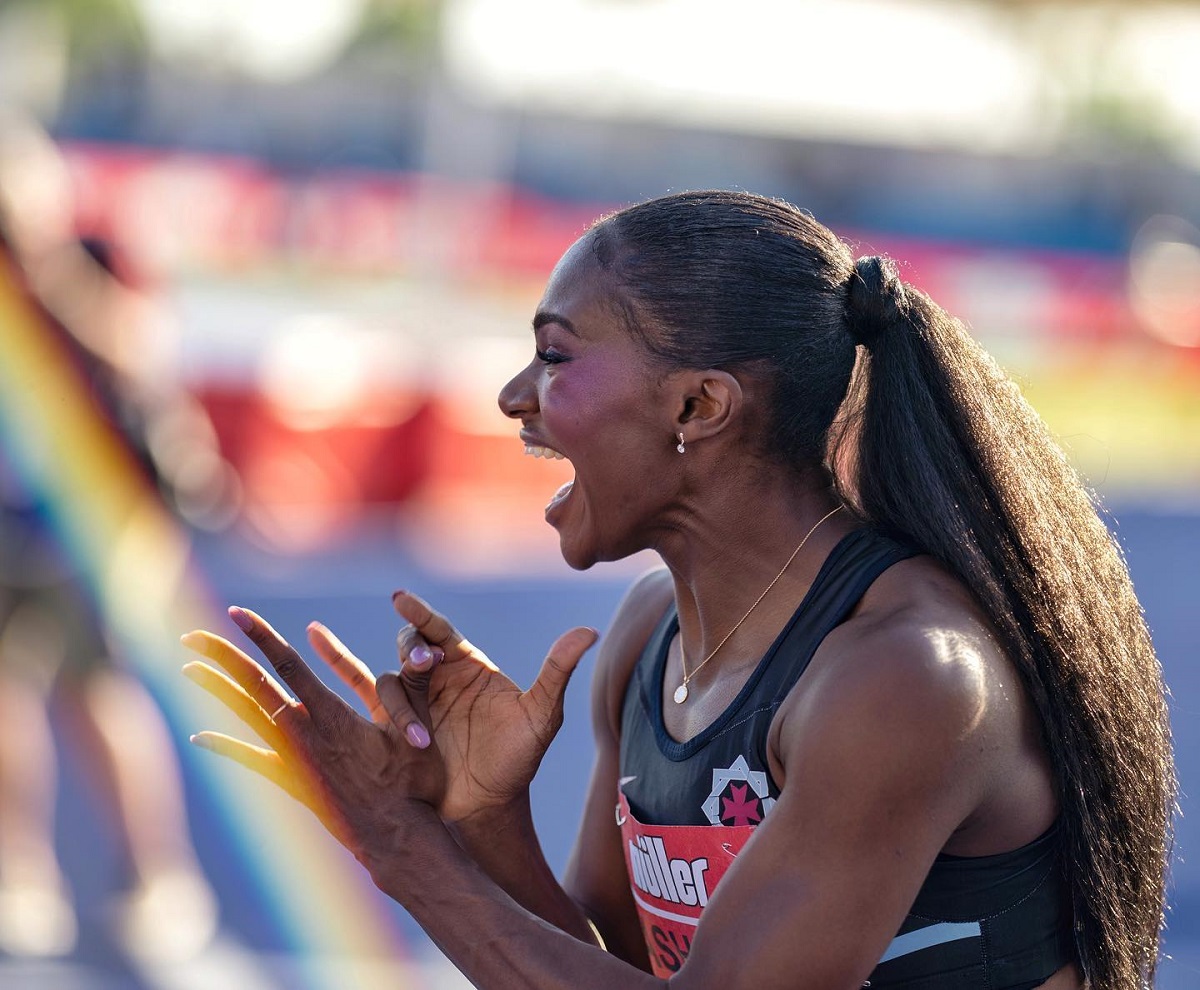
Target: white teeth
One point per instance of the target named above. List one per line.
(543, 452)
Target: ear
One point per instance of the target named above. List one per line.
(708, 402)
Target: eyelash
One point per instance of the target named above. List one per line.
(550, 357)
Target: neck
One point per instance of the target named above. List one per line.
(731, 549)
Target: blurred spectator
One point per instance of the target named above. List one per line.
(53, 644)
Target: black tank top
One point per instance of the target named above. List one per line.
(686, 808)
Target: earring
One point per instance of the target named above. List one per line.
(679, 446)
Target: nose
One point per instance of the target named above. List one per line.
(519, 397)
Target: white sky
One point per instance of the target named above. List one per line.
(949, 72)
(907, 71)
(276, 39)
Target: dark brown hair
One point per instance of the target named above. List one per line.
(929, 441)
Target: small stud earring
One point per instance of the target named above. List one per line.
(679, 446)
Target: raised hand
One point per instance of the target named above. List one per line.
(491, 734)
(361, 778)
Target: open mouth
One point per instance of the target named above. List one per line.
(560, 496)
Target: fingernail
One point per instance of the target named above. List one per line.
(417, 735)
(421, 656)
(396, 595)
(240, 618)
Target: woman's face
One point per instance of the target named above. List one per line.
(593, 395)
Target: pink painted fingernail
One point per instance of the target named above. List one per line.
(421, 655)
(417, 735)
(240, 618)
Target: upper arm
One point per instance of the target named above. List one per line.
(881, 751)
(596, 876)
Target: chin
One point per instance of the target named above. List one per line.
(575, 559)
(582, 554)
(584, 558)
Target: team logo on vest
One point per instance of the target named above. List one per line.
(739, 795)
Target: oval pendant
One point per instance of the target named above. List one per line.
(681, 694)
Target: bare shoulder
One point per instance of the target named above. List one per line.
(915, 678)
(638, 612)
(918, 631)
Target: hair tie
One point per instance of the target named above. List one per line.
(874, 299)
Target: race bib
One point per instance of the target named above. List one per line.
(673, 871)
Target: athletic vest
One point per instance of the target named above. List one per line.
(686, 809)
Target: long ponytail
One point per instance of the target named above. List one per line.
(928, 439)
(936, 445)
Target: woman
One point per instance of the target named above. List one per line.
(892, 689)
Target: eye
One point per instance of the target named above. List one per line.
(551, 356)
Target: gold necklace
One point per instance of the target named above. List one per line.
(681, 692)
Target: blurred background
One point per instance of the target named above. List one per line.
(266, 264)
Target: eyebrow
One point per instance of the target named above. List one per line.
(542, 318)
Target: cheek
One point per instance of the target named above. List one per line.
(601, 398)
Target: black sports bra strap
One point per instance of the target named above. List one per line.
(849, 570)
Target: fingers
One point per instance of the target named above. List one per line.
(405, 697)
(354, 673)
(413, 648)
(426, 641)
(233, 696)
(428, 628)
(320, 701)
(264, 762)
(260, 686)
(548, 690)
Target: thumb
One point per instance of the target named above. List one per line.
(546, 694)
